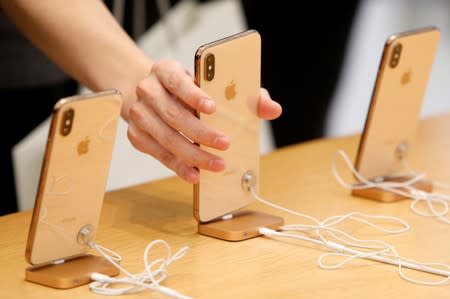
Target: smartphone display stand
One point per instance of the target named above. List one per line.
(387, 196)
(70, 273)
(241, 225)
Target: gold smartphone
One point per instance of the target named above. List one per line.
(396, 102)
(73, 176)
(229, 71)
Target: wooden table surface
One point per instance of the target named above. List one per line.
(298, 177)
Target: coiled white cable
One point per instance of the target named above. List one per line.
(155, 272)
(373, 249)
(437, 203)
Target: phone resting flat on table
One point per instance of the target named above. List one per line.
(396, 102)
(73, 176)
(229, 71)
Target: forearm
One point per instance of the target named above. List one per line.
(84, 39)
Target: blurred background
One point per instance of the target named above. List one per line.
(326, 97)
(374, 22)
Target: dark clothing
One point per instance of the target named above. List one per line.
(24, 109)
(302, 54)
(29, 87)
(22, 65)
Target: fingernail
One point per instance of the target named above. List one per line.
(207, 106)
(222, 142)
(216, 164)
(265, 92)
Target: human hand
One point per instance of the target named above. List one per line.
(162, 122)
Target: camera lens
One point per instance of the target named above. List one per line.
(67, 122)
(209, 67)
(395, 55)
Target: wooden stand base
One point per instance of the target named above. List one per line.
(386, 196)
(71, 273)
(242, 226)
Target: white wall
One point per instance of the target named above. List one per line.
(375, 21)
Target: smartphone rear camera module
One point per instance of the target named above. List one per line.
(395, 55)
(210, 67)
(67, 122)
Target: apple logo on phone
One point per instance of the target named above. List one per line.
(230, 91)
(406, 77)
(83, 146)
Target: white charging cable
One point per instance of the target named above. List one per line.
(437, 203)
(155, 272)
(368, 249)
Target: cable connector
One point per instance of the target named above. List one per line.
(266, 231)
(101, 278)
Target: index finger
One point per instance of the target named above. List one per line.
(177, 81)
